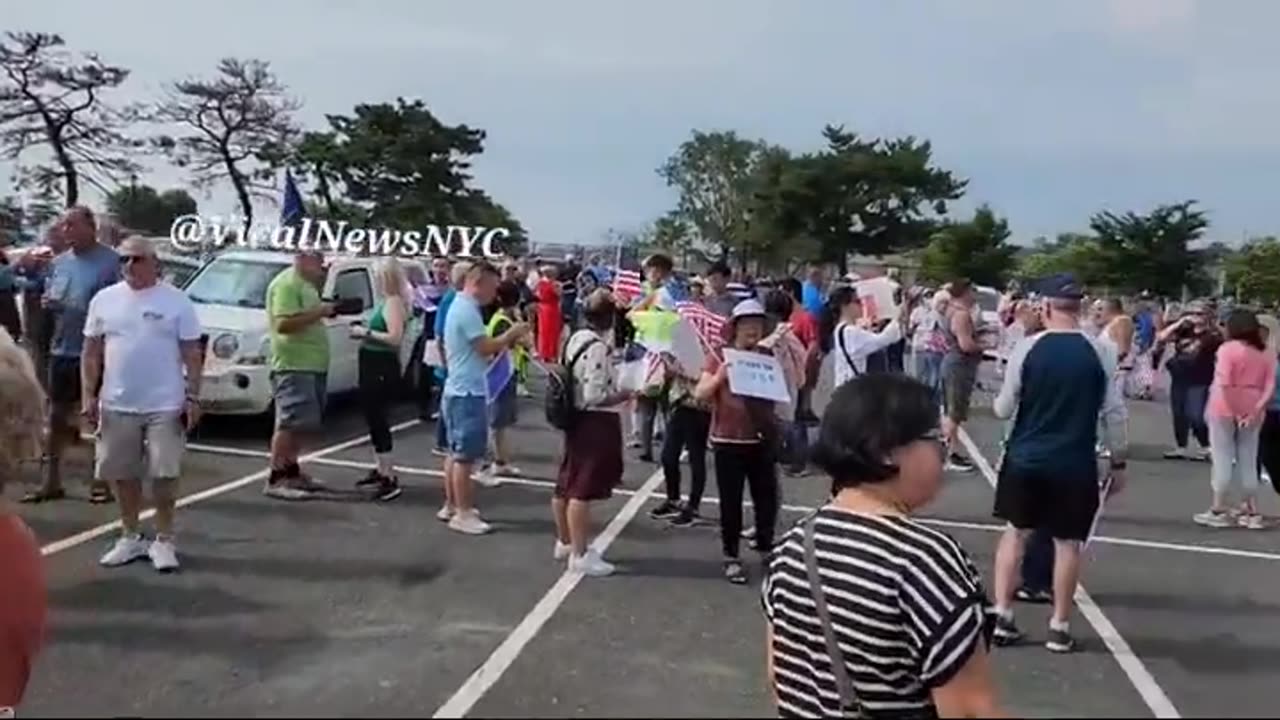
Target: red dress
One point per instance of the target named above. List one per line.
(550, 321)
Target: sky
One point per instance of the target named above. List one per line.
(1052, 110)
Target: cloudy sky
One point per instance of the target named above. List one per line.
(1052, 109)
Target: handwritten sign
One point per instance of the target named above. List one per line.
(755, 375)
(876, 295)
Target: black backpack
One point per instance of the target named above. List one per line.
(561, 411)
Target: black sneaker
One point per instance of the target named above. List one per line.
(666, 511)
(1035, 597)
(646, 457)
(388, 490)
(1060, 641)
(749, 534)
(370, 480)
(688, 517)
(1007, 632)
(959, 463)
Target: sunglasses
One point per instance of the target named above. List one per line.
(131, 259)
(935, 436)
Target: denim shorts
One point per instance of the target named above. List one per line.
(466, 420)
(299, 398)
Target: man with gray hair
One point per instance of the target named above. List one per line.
(142, 347)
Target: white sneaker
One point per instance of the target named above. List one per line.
(1252, 521)
(488, 477)
(562, 551)
(127, 549)
(591, 565)
(164, 556)
(445, 513)
(508, 470)
(469, 523)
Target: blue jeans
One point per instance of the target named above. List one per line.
(1187, 403)
(795, 445)
(929, 371)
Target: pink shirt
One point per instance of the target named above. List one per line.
(1243, 380)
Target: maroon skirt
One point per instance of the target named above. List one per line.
(591, 466)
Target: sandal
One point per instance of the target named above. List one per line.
(734, 572)
(35, 497)
(100, 494)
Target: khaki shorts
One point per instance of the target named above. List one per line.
(133, 445)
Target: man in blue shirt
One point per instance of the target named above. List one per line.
(74, 277)
(468, 350)
(814, 293)
(1056, 386)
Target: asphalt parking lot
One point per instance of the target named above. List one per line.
(347, 607)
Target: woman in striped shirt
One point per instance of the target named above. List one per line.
(870, 613)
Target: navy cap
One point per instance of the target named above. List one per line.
(1062, 286)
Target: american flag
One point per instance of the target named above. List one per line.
(708, 325)
(627, 284)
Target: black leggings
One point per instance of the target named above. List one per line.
(379, 379)
(687, 429)
(1269, 448)
(737, 468)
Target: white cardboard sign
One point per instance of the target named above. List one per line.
(755, 375)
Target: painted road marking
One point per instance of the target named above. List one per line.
(97, 532)
(1143, 681)
(488, 674)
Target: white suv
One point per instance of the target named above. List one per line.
(230, 297)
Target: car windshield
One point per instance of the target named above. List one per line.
(178, 272)
(242, 283)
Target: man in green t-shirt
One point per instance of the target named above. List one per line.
(299, 367)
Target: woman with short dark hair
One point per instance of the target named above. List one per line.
(591, 465)
(870, 612)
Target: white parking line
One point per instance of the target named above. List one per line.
(488, 674)
(1143, 681)
(97, 532)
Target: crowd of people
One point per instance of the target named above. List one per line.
(118, 351)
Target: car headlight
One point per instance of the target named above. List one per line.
(262, 357)
(225, 346)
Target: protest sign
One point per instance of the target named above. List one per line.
(756, 375)
(877, 296)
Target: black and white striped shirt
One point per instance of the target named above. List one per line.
(908, 607)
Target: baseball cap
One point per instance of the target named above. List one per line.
(748, 308)
(1062, 286)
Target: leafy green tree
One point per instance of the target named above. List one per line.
(1073, 253)
(977, 249)
(141, 208)
(398, 166)
(54, 104)
(236, 126)
(1151, 251)
(1254, 271)
(713, 172)
(862, 196)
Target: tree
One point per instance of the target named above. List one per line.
(1072, 253)
(401, 168)
(1254, 271)
(713, 174)
(977, 249)
(52, 99)
(864, 196)
(236, 126)
(142, 209)
(11, 220)
(1151, 251)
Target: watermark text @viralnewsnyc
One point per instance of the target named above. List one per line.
(198, 232)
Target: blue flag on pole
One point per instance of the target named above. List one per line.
(291, 209)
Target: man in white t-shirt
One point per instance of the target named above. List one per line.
(142, 339)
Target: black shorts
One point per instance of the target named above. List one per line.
(64, 380)
(1065, 507)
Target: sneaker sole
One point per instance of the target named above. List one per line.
(1057, 649)
(388, 497)
(1006, 640)
(130, 561)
